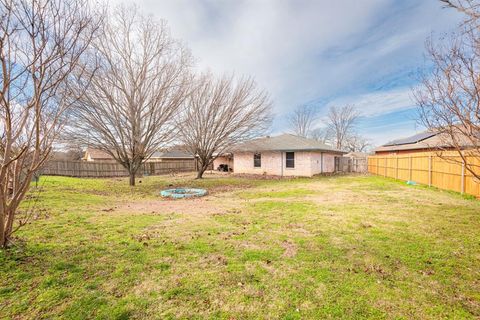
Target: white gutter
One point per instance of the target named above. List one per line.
(281, 161)
(321, 162)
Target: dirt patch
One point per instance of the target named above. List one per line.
(216, 190)
(337, 197)
(181, 206)
(214, 259)
(298, 229)
(290, 249)
(249, 245)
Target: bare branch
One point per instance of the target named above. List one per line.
(449, 94)
(220, 113)
(302, 119)
(141, 82)
(324, 135)
(41, 44)
(468, 7)
(357, 143)
(341, 122)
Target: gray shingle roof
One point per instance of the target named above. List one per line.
(426, 140)
(173, 152)
(412, 139)
(97, 154)
(284, 142)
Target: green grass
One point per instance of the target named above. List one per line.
(349, 247)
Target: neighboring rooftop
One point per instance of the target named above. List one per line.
(424, 140)
(175, 152)
(412, 139)
(284, 142)
(357, 154)
(96, 154)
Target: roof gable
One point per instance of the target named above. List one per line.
(284, 142)
(97, 154)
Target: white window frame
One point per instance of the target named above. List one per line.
(294, 160)
(254, 166)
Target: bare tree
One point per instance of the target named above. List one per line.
(41, 43)
(220, 113)
(471, 8)
(449, 94)
(357, 143)
(341, 122)
(323, 135)
(129, 109)
(302, 119)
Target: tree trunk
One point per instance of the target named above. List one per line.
(3, 241)
(201, 167)
(3, 218)
(200, 172)
(3, 238)
(132, 179)
(6, 227)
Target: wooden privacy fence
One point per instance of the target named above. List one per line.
(446, 172)
(347, 164)
(112, 169)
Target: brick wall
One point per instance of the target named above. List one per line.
(306, 163)
(271, 163)
(328, 162)
(222, 160)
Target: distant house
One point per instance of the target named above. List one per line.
(92, 154)
(171, 154)
(69, 155)
(426, 141)
(356, 155)
(284, 155)
(175, 153)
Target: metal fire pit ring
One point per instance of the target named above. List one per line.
(180, 193)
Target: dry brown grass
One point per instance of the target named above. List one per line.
(334, 247)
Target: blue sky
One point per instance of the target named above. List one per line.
(321, 52)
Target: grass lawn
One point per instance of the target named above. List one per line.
(327, 247)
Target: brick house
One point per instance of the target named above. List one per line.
(284, 155)
(175, 153)
(92, 154)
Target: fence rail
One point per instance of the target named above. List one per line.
(94, 169)
(445, 172)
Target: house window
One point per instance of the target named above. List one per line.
(257, 160)
(290, 159)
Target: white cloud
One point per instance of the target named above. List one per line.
(278, 42)
(310, 50)
(378, 103)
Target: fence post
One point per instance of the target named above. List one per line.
(396, 167)
(462, 188)
(430, 170)
(410, 168)
(385, 167)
